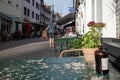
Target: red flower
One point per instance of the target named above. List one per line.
(91, 24)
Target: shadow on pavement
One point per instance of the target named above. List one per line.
(16, 43)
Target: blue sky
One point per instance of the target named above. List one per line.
(61, 6)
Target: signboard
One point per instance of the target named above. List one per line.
(72, 10)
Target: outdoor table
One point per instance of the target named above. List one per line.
(52, 69)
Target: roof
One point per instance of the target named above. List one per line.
(67, 18)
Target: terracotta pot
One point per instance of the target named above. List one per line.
(89, 54)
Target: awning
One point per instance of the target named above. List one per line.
(36, 23)
(19, 21)
(72, 23)
(11, 17)
(3, 16)
(69, 17)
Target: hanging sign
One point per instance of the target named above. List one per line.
(72, 10)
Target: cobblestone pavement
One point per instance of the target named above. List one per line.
(25, 48)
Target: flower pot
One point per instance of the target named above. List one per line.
(89, 54)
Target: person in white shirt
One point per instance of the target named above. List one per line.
(71, 33)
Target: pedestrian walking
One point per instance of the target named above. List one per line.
(51, 30)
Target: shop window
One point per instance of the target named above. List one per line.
(5, 25)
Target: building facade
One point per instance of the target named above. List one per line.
(97, 10)
(31, 12)
(10, 15)
(42, 17)
(47, 14)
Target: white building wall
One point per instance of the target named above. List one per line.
(80, 19)
(84, 9)
(31, 8)
(109, 17)
(12, 9)
(98, 11)
(88, 14)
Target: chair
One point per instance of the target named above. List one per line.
(64, 44)
(59, 45)
(72, 50)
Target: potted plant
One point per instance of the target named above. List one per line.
(76, 43)
(92, 40)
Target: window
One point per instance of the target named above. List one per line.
(9, 2)
(36, 16)
(25, 11)
(27, 1)
(33, 2)
(17, 5)
(5, 25)
(28, 12)
(32, 14)
(37, 6)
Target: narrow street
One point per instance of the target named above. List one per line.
(25, 48)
